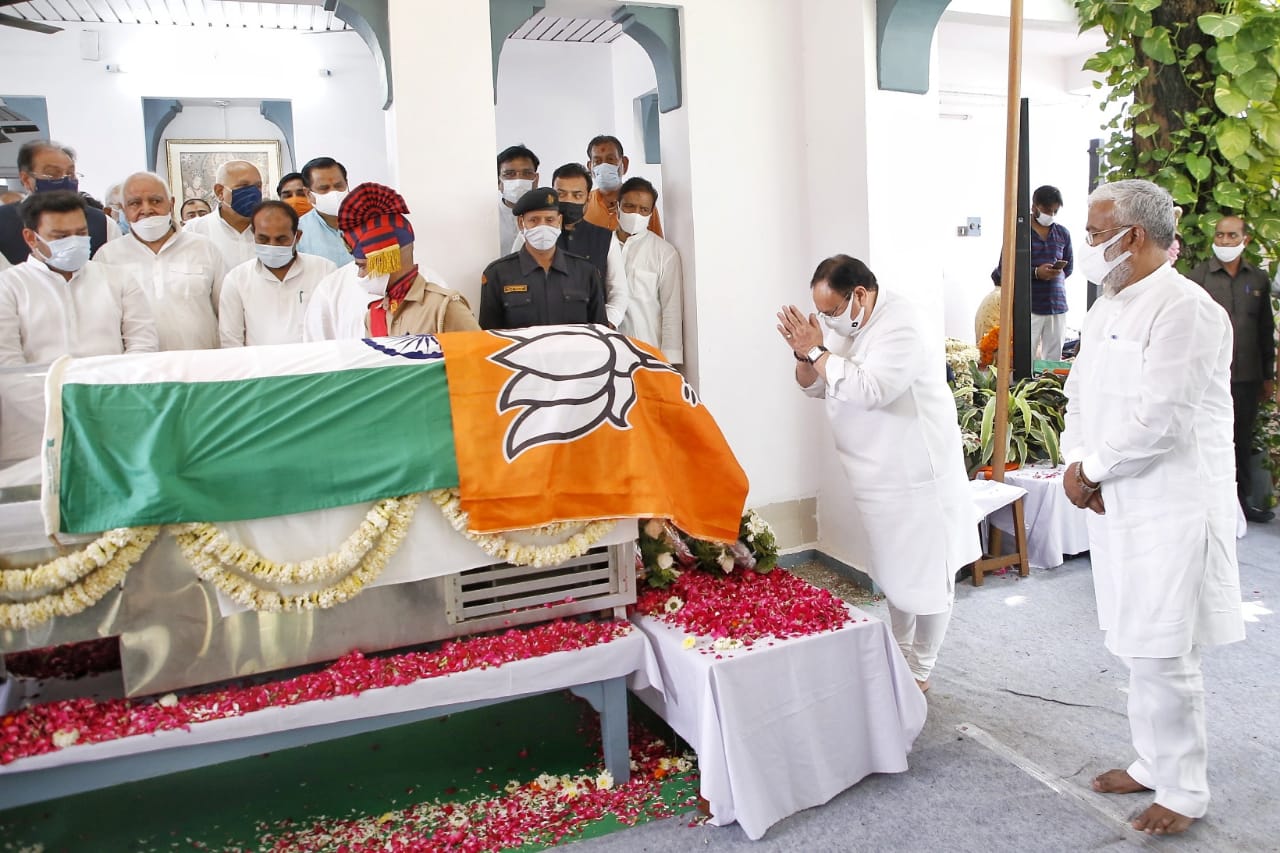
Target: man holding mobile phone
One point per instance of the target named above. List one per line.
(1051, 262)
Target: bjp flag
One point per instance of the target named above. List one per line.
(566, 423)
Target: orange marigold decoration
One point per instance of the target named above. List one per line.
(987, 347)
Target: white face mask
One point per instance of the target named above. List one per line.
(607, 176)
(328, 203)
(67, 254)
(149, 229)
(375, 285)
(1094, 263)
(633, 223)
(274, 256)
(1227, 254)
(1045, 219)
(542, 237)
(514, 188)
(842, 325)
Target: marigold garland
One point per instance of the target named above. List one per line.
(223, 567)
(538, 556)
(86, 576)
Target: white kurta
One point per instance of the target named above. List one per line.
(339, 306)
(894, 421)
(100, 311)
(1149, 412)
(236, 247)
(182, 281)
(257, 308)
(657, 284)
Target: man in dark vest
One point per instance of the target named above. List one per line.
(572, 183)
(45, 166)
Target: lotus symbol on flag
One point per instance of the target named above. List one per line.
(570, 380)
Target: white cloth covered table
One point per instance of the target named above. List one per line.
(87, 766)
(1055, 528)
(784, 727)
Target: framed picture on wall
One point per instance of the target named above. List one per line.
(193, 164)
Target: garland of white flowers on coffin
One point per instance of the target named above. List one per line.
(520, 553)
(74, 582)
(239, 572)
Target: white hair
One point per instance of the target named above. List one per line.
(1142, 203)
(221, 176)
(149, 175)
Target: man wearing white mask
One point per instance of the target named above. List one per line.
(384, 292)
(1052, 262)
(1148, 446)
(893, 417)
(238, 188)
(517, 174)
(57, 302)
(180, 271)
(654, 274)
(1244, 292)
(327, 187)
(264, 300)
(608, 167)
(541, 284)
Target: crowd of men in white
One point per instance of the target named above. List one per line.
(246, 271)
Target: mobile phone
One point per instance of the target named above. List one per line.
(1060, 264)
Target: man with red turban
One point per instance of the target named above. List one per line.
(383, 293)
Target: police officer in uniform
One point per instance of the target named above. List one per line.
(542, 284)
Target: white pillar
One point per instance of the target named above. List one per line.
(441, 135)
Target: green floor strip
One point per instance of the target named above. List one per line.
(233, 805)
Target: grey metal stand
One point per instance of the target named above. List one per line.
(608, 697)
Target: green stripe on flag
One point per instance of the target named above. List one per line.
(166, 452)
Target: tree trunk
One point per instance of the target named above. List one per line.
(1165, 87)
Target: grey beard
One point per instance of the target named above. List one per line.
(1119, 278)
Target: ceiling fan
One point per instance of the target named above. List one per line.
(23, 23)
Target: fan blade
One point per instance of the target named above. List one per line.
(24, 24)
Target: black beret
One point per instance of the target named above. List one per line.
(543, 198)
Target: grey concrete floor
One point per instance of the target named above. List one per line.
(1026, 707)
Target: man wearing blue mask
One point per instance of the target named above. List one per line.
(44, 166)
(264, 300)
(608, 167)
(238, 188)
(58, 302)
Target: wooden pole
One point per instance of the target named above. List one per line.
(1004, 353)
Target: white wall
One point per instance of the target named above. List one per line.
(100, 113)
(553, 97)
(972, 75)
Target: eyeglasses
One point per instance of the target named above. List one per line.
(513, 174)
(1090, 237)
(839, 310)
(57, 177)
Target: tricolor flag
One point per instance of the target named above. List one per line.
(536, 425)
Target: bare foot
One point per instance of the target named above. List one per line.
(1158, 820)
(923, 685)
(1117, 782)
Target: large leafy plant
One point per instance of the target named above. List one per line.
(1037, 414)
(1196, 107)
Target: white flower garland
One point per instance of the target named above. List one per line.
(84, 578)
(538, 556)
(218, 560)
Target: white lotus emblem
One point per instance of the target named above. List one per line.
(569, 381)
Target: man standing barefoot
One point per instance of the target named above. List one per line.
(1149, 442)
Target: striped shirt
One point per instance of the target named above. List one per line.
(1048, 297)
